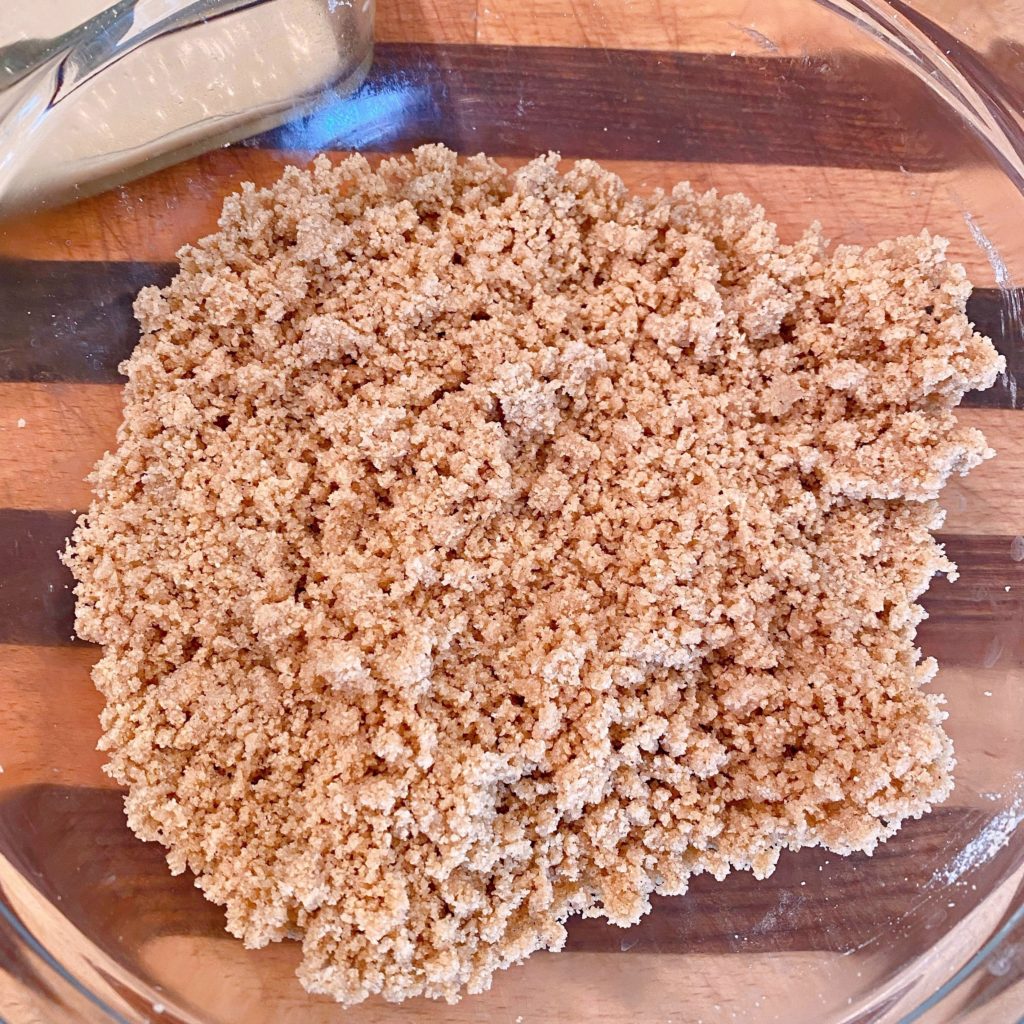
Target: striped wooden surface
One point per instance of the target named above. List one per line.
(712, 920)
(724, 96)
(149, 220)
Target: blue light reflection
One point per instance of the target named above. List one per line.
(372, 118)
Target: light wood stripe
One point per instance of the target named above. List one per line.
(426, 21)
(49, 721)
(563, 988)
(792, 27)
(726, 27)
(49, 717)
(986, 707)
(150, 219)
(69, 426)
(741, 27)
(990, 499)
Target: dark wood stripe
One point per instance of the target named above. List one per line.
(796, 909)
(37, 605)
(93, 329)
(987, 564)
(970, 622)
(976, 621)
(999, 314)
(846, 111)
(813, 901)
(70, 320)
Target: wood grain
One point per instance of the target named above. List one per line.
(986, 707)
(426, 21)
(978, 621)
(639, 105)
(731, 26)
(150, 219)
(990, 499)
(49, 721)
(726, 27)
(49, 716)
(70, 321)
(93, 328)
(50, 437)
(36, 603)
(975, 621)
(713, 917)
(68, 426)
(564, 988)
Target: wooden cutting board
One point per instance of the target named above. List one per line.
(513, 78)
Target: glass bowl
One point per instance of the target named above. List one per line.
(876, 119)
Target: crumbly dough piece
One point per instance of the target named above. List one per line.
(482, 548)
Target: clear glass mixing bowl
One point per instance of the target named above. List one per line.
(874, 118)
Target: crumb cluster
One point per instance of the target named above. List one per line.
(483, 548)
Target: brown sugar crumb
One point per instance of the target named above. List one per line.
(484, 548)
